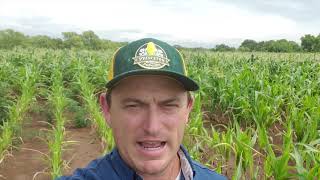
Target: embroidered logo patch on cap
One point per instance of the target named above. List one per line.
(151, 56)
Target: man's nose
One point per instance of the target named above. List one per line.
(152, 122)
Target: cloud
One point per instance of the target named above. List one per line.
(37, 26)
(302, 11)
(204, 21)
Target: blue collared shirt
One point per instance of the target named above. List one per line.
(112, 167)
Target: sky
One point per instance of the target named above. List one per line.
(190, 23)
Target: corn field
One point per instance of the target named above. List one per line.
(256, 115)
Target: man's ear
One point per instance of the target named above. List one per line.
(190, 102)
(105, 108)
(189, 106)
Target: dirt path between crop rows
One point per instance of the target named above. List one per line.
(26, 161)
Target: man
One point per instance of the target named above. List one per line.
(147, 105)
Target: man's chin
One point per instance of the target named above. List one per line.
(153, 167)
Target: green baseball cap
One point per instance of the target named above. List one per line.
(149, 56)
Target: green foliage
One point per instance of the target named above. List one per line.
(41, 41)
(281, 45)
(260, 92)
(249, 45)
(5, 90)
(310, 43)
(87, 92)
(87, 40)
(17, 110)
(90, 41)
(80, 119)
(10, 38)
(59, 101)
(72, 40)
(223, 47)
(256, 115)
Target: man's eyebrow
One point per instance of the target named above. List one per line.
(135, 100)
(170, 100)
(132, 100)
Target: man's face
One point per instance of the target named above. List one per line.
(148, 115)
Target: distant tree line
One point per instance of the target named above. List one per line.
(89, 40)
(281, 45)
(309, 43)
(86, 40)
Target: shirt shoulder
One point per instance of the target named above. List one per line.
(202, 172)
(97, 169)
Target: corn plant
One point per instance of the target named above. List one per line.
(307, 166)
(195, 125)
(56, 142)
(88, 94)
(243, 144)
(13, 123)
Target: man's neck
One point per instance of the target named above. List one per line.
(170, 173)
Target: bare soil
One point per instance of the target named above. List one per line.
(86, 148)
(28, 161)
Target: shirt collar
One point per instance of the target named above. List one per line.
(186, 163)
(188, 158)
(124, 171)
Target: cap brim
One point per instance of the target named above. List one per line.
(188, 83)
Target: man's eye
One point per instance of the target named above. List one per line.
(171, 105)
(131, 105)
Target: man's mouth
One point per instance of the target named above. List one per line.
(152, 145)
